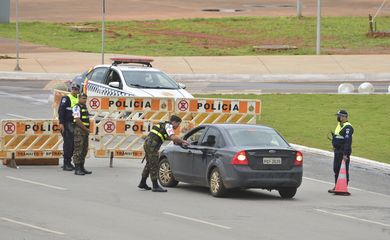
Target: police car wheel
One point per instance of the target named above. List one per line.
(217, 189)
(165, 175)
(288, 192)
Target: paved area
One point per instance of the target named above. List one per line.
(90, 10)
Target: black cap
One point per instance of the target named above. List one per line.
(75, 85)
(342, 113)
(175, 118)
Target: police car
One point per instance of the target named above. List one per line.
(132, 77)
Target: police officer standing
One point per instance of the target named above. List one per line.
(65, 116)
(342, 144)
(81, 133)
(159, 133)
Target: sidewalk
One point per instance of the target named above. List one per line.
(324, 67)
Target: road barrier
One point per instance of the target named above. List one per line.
(120, 124)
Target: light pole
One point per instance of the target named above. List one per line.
(103, 13)
(299, 8)
(17, 68)
(318, 48)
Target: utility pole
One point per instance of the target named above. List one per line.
(318, 48)
(17, 68)
(103, 13)
(299, 8)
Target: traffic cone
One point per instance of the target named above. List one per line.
(342, 184)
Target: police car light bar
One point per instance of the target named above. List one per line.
(144, 61)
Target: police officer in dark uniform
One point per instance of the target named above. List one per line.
(159, 133)
(65, 116)
(81, 133)
(342, 144)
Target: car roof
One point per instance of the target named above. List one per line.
(237, 126)
(129, 67)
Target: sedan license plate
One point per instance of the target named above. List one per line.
(272, 160)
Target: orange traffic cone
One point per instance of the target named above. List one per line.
(342, 184)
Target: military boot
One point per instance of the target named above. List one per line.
(157, 188)
(85, 170)
(78, 170)
(142, 184)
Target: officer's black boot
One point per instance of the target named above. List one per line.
(143, 184)
(78, 170)
(85, 170)
(68, 165)
(157, 188)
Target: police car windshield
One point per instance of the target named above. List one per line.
(148, 79)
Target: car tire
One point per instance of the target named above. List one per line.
(165, 175)
(217, 188)
(288, 192)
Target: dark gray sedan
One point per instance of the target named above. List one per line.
(232, 156)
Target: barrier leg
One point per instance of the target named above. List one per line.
(111, 159)
(12, 163)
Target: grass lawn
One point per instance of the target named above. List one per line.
(306, 119)
(209, 37)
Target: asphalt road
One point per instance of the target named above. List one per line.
(44, 202)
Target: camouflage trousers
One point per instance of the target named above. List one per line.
(80, 145)
(151, 148)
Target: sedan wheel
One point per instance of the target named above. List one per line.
(217, 188)
(288, 192)
(165, 174)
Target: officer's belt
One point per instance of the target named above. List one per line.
(339, 137)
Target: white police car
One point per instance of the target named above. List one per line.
(132, 77)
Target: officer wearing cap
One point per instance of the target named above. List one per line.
(65, 116)
(159, 133)
(342, 144)
(81, 133)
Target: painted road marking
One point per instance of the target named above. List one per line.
(32, 226)
(196, 220)
(36, 183)
(351, 217)
(17, 116)
(24, 97)
(353, 188)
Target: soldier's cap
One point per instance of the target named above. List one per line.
(342, 113)
(83, 95)
(75, 85)
(175, 118)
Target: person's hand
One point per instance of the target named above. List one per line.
(185, 143)
(62, 127)
(345, 157)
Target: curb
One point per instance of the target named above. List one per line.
(350, 77)
(364, 161)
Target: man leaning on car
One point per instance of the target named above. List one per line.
(159, 133)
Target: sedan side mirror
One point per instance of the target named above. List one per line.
(114, 84)
(182, 86)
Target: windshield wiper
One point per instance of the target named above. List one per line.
(140, 86)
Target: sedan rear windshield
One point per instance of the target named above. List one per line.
(256, 137)
(147, 79)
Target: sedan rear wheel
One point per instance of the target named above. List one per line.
(288, 192)
(217, 188)
(165, 175)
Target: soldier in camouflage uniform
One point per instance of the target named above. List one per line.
(81, 133)
(159, 133)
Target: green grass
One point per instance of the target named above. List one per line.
(207, 37)
(306, 119)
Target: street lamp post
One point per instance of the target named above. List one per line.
(17, 68)
(299, 8)
(103, 13)
(318, 48)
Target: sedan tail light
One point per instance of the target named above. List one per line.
(298, 159)
(240, 158)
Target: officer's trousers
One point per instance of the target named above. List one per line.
(338, 157)
(81, 143)
(151, 156)
(68, 145)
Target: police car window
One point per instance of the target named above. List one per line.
(113, 76)
(98, 75)
(194, 137)
(212, 138)
(148, 79)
